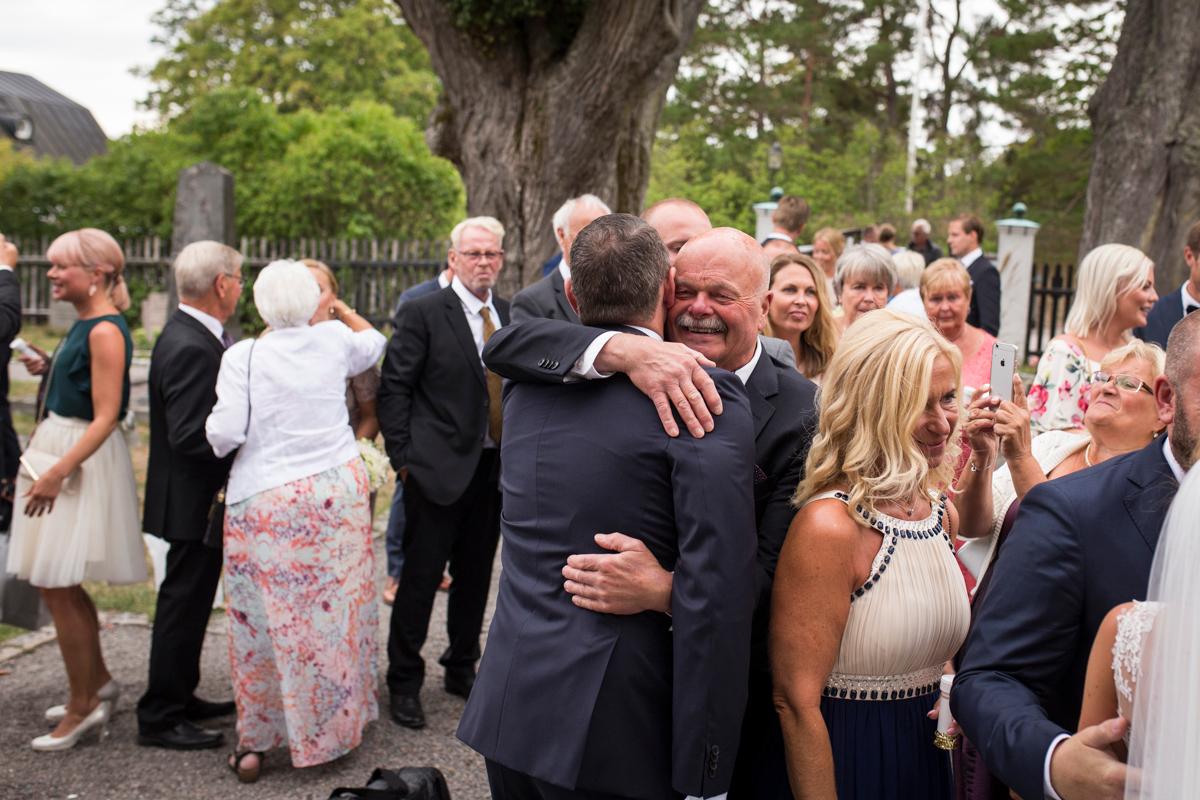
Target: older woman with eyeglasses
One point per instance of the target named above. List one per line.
(1122, 417)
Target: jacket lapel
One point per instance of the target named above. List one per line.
(1152, 487)
(560, 296)
(456, 317)
(763, 385)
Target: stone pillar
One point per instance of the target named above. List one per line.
(763, 212)
(1014, 259)
(203, 210)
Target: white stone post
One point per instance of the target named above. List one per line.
(762, 218)
(1014, 259)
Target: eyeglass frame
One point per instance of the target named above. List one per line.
(481, 255)
(241, 279)
(1102, 377)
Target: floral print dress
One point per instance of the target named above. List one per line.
(300, 591)
(1059, 394)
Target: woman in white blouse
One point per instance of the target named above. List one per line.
(299, 572)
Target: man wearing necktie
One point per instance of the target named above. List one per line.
(182, 478)
(440, 413)
(1174, 306)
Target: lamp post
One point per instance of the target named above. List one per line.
(774, 163)
(763, 211)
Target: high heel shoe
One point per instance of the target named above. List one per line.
(97, 719)
(110, 691)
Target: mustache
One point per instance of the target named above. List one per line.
(700, 324)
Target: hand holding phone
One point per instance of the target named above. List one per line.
(1004, 364)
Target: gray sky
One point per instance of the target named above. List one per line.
(85, 50)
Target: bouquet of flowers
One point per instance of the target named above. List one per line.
(378, 468)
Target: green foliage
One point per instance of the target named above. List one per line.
(314, 55)
(486, 20)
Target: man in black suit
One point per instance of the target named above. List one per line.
(436, 283)
(546, 298)
(182, 478)
(582, 705)
(720, 294)
(1174, 306)
(965, 236)
(10, 326)
(440, 414)
(1080, 545)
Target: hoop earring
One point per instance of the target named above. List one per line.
(92, 290)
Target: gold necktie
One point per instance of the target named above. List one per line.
(495, 409)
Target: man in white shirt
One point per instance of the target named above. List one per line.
(965, 236)
(1174, 306)
(441, 418)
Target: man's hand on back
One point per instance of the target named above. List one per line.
(627, 581)
(671, 375)
(1084, 766)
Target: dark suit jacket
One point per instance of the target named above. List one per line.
(631, 705)
(785, 414)
(1161, 319)
(10, 326)
(413, 292)
(546, 299)
(182, 475)
(1080, 545)
(985, 296)
(433, 401)
(931, 252)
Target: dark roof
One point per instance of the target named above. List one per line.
(61, 127)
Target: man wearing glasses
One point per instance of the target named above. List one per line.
(440, 413)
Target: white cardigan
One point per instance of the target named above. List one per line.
(298, 423)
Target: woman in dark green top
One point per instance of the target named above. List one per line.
(75, 514)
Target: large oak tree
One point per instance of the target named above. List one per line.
(543, 100)
(1144, 187)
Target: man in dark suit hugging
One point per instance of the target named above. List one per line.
(564, 695)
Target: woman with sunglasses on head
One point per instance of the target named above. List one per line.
(1121, 417)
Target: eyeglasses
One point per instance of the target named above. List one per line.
(481, 255)
(241, 280)
(1127, 382)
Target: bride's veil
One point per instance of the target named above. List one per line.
(1164, 752)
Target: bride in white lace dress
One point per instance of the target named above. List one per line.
(1145, 663)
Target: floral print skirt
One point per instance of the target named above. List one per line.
(303, 617)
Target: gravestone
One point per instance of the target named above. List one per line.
(203, 211)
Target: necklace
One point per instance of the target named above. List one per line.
(1087, 455)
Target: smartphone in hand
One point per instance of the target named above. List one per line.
(1004, 364)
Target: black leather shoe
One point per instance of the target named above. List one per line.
(407, 711)
(184, 736)
(198, 709)
(460, 683)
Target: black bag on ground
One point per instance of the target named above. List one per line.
(407, 783)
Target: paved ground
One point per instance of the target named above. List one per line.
(118, 768)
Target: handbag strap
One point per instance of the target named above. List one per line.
(40, 413)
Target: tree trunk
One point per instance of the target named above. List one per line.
(530, 120)
(1144, 187)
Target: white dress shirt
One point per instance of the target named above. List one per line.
(971, 257)
(442, 280)
(471, 307)
(1188, 300)
(298, 425)
(564, 269)
(210, 322)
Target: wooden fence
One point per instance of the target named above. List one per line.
(371, 272)
(1050, 297)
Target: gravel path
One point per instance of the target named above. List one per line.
(118, 768)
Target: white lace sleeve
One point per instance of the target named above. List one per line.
(1133, 626)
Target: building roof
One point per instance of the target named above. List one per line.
(61, 127)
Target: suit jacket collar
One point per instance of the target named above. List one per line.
(190, 322)
(456, 317)
(560, 295)
(762, 386)
(1152, 487)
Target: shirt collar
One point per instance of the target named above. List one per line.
(776, 235)
(1173, 462)
(469, 300)
(442, 280)
(746, 369)
(564, 269)
(1188, 300)
(6, 268)
(971, 257)
(647, 331)
(210, 322)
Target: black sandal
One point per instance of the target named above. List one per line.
(244, 774)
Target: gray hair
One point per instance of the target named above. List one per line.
(562, 217)
(286, 294)
(618, 265)
(489, 224)
(909, 267)
(868, 260)
(922, 225)
(199, 265)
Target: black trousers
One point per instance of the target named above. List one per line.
(508, 784)
(464, 534)
(181, 616)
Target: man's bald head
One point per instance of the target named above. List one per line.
(720, 296)
(677, 220)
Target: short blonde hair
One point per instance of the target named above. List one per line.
(95, 251)
(910, 266)
(199, 264)
(489, 224)
(943, 271)
(286, 294)
(821, 339)
(872, 395)
(1147, 352)
(323, 268)
(1105, 274)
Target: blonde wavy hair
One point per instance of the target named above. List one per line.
(873, 394)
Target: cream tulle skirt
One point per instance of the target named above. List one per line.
(92, 535)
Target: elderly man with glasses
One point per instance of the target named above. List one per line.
(440, 413)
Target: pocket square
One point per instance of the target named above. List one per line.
(759, 475)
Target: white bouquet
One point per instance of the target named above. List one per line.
(379, 471)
